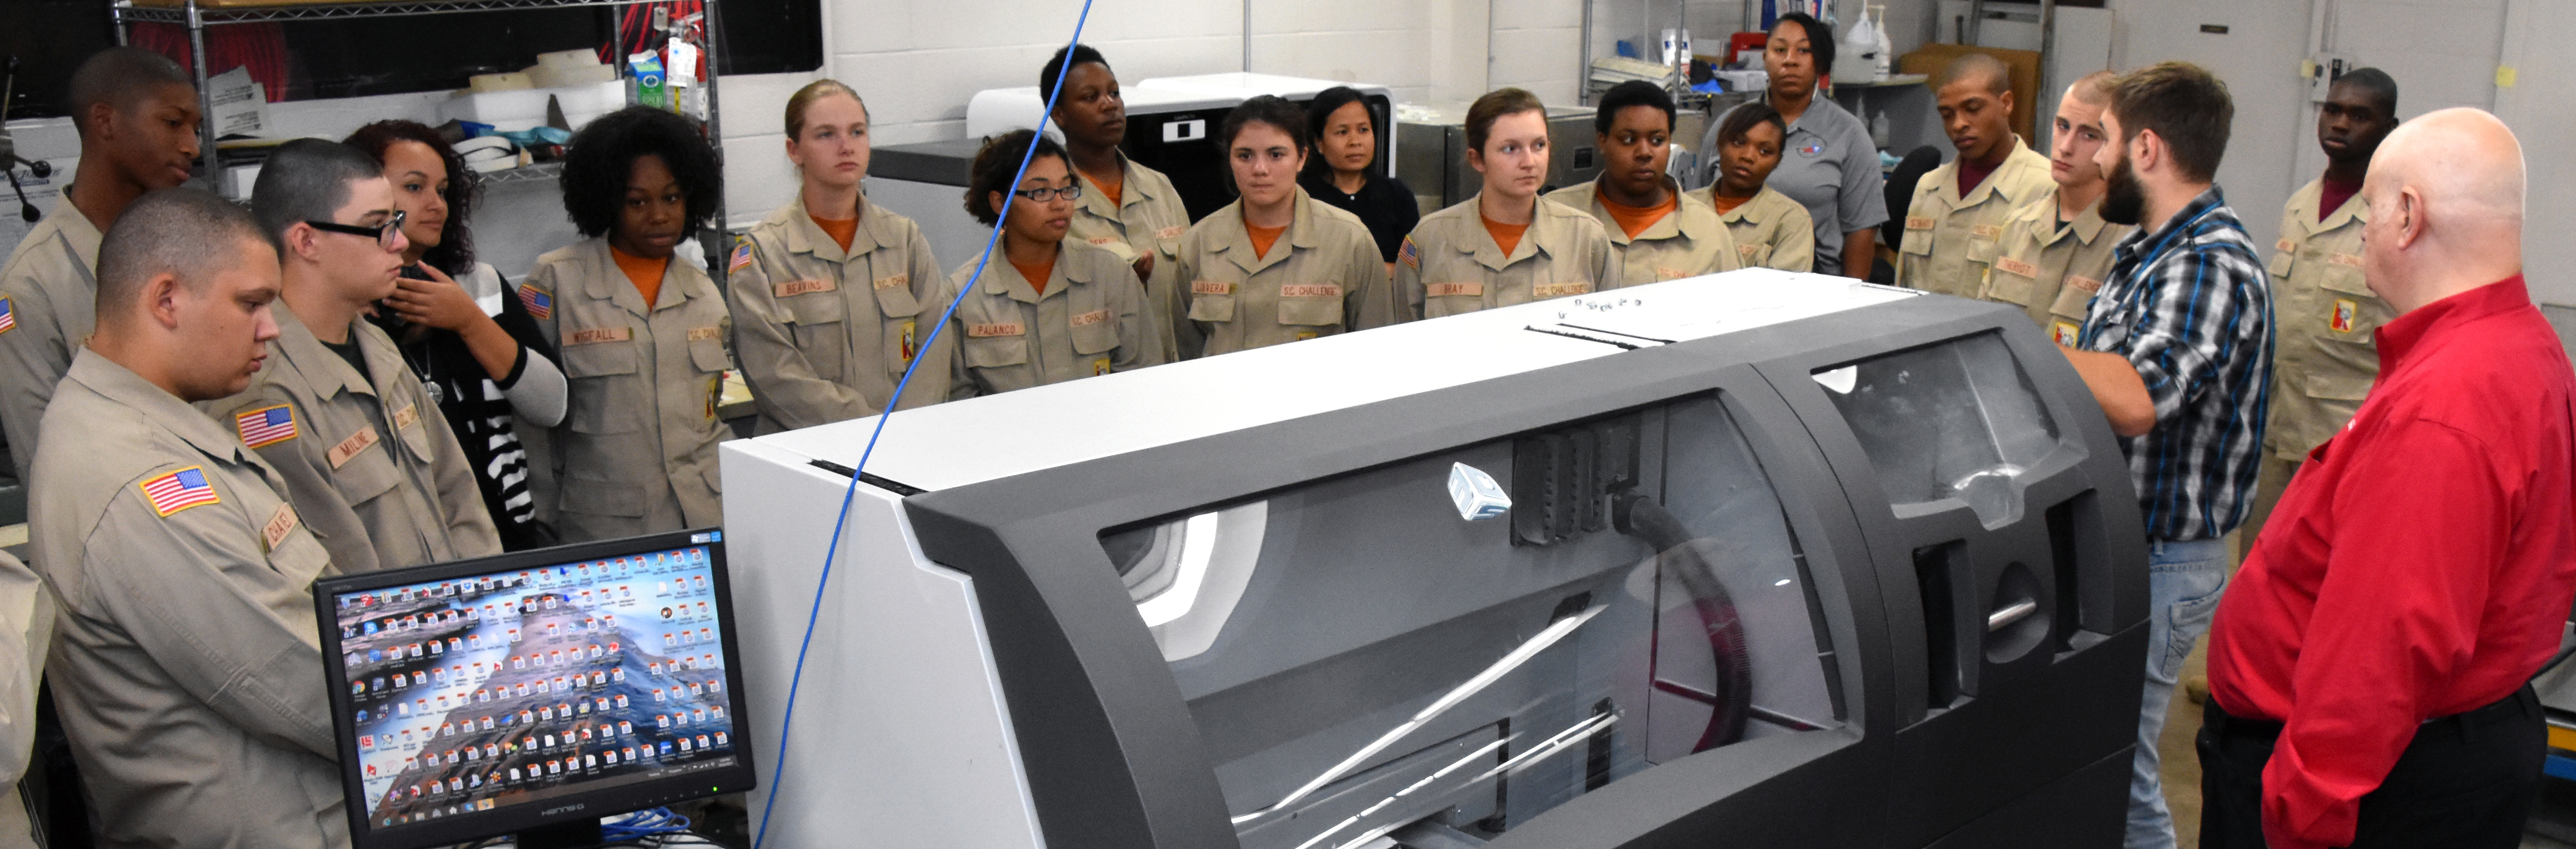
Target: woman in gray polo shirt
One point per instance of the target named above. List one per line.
(1827, 164)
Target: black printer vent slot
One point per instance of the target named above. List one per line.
(2072, 541)
(1935, 568)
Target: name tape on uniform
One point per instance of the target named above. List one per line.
(1103, 240)
(1918, 222)
(794, 288)
(2085, 283)
(409, 415)
(1211, 287)
(1986, 232)
(1559, 290)
(1172, 232)
(596, 335)
(2345, 260)
(702, 334)
(1666, 272)
(1087, 319)
(2285, 245)
(998, 328)
(279, 526)
(360, 441)
(1311, 290)
(1745, 251)
(892, 282)
(2009, 265)
(1441, 290)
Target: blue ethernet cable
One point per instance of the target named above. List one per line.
(778, 767)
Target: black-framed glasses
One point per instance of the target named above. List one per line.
(384, 234)
(1043, 194)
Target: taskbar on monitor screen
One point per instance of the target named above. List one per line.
(434, 811)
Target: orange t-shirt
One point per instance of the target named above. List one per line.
(1727, 204)
(1263, 238)
(1111, 188)
(841, 230)
(646, 274)
(1635, 219)
(1506, 236)
(1037, 274)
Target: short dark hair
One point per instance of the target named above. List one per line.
(1266, 109)
(455, 251)
(174, 231)
(1969, 65)
(1079, 54)
(1482, 114)
(1820, 39)
(2187, 107)
(998, 162)
(119, 76)
(1632, 93)
(2381, 86)
(1741, 120)
(306, 180)
(601, 158)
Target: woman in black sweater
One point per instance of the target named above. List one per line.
(1344, 173)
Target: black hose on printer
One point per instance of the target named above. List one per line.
(1637, 515)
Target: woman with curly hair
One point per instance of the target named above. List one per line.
(643, 336)
(1046, 310)
(839, 292)
(476, 350)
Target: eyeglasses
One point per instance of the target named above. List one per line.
(1043, 194)
(384, 234)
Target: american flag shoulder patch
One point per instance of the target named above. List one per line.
(541, 306)
(1410, 255)
(741, 254)
(8, 316)
(266, 426)
(179, 490)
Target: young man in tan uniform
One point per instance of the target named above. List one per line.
(137, 117)
(824, 332)
(1321, 278)
(1955, 224)
(185, 662)
(368, 460)
(2057, 249)
(1127, 209)
(2324, 357)
(1660, 232)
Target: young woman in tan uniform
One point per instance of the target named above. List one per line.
(1046, 310)
(831, 294)
(1506, 245)
(1276, 265)
(1771, 230)
(642, 333)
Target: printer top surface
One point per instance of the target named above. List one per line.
(956, 444)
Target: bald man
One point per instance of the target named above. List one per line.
(2368, 669)
(136, 113)
(1955, 225)
(2322, 314)
(185, 665)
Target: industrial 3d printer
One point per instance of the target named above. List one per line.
(1757, 559)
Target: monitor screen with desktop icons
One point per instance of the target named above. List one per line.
(479, 697)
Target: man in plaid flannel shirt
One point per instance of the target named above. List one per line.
(2178, 351)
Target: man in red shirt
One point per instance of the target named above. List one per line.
(2368, 672)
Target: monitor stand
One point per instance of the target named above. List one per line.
(582, 833)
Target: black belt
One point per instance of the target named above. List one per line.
(2522, 702)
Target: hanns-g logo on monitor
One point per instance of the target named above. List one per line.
(564, 810)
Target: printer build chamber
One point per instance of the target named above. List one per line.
(1872, 577)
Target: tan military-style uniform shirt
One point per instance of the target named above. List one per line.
(1451, 265)
(2323, 316)
(1688, 242)
(1090, 321)
(49, 292)
(1770, 230)
(636, 453)
(2052, 273)
(1950, 239)
(1148, 218)
(371, 466)
(26, 634)
(823, 333)
(185, 660)
(1322, 277)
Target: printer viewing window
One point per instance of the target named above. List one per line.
(1958, 420)
(1470, 675)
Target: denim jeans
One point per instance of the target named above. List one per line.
(2183, 584)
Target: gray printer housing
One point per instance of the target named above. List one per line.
(1945, 733)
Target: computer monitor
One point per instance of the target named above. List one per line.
(535, 692)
